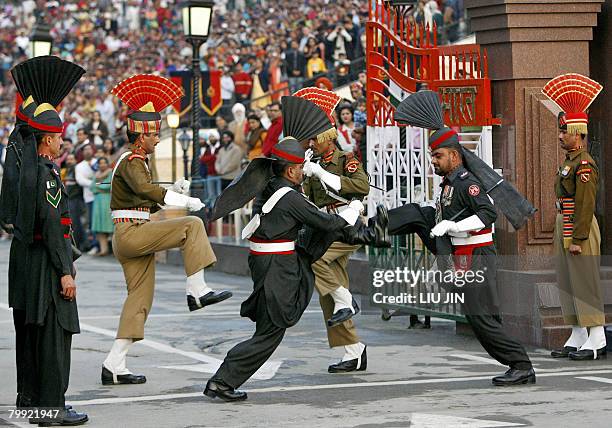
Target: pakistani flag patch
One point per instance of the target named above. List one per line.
(54, 200)
(51, 184)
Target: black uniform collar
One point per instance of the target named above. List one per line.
(456, 173)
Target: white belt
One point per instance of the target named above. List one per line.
(141, 215)
(272, 247)
(471, 240)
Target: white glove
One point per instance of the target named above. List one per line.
(181, 186)
(308, 155)
(195, 204)
(178, 200)
(442, 228)
(350, 215)
(357, 205)
(312, 169)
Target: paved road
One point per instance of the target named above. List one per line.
(415, 378)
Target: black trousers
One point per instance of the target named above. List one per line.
(244, 359)
(21, 357)
(49, 345)
(480, 307)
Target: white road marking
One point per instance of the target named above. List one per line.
(211, 364)
(428, 420)
(322, 387)
(596, 379)
(478, 359)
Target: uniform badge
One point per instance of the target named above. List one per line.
(585, 177)
(584, 162)
(566, 170)
(54, 200)
(351, 166)
(51, 184)
(474, 190)
(464, 174)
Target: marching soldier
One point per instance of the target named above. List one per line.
(461, 227)
(136, 240)
(337, 179)
(283, 280)
(44, 267)
(577, 237)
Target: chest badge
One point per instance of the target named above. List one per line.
(585, 177)
(51, 184)
(566, 170)
(474, 190)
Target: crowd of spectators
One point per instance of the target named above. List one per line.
(264, 48)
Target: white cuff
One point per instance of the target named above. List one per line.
(472, 223)
(176, 199)
(332, 180)
(350, 215)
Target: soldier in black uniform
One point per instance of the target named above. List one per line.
(281, 268)
(465, 214)
(44, 270)
(9, 200)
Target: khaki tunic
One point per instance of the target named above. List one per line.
(331, 269)
(578, 275)
(136, 242)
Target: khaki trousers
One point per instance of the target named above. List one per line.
(330, 273)
(578, 278)
(135, 245)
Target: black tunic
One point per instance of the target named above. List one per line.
(287, 280)
(39, 266)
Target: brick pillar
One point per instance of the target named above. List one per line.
(528, 44)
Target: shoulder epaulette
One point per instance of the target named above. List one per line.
(136, 156)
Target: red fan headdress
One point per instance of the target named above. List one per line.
(146, 95)
(326, 101)
(573, 93)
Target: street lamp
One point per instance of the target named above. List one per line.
(184, 140)
(173, 122)
(41, 41)
(197, 19)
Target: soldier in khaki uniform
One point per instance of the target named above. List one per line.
(136, 240)
(340, 175)
(577, 236)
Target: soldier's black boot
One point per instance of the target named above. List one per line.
(375, 234)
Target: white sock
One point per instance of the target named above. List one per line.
(342, 299)
(196, 285)
(115, 361)
(578, 337)
(596, 340)
(353, 352)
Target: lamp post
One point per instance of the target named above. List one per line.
(197, 18)
(184, 140)
(41, 41)
(173, 122)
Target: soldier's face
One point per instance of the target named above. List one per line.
(569, 141)
(318, 147)
(444, 161)
(149, 141)
(295, 173)
(54, 141)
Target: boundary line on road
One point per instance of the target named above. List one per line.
(116, 400)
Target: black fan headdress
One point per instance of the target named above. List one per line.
(423, 109)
